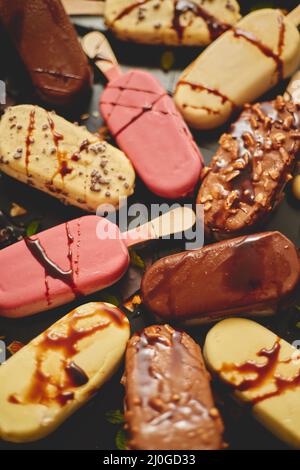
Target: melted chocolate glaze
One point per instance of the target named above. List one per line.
(51, 268)
(167, 384)
(246, 274)
(58, 68)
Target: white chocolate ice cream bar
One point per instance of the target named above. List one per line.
(173, 22)
(44, 150)
(238, 67)
(262, 369)
(60, 370)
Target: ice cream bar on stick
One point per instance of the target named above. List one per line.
(48, 45)
(173, 22)
(262, 370)
(246, 178)
(168, 403)
(253, 275)
(74, 259)
(47, 152)
(241, 65)
(83, 7)
(146, 125)
(60, 370)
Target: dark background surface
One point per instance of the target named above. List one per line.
(90, 428)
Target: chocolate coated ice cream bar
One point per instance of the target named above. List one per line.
(169, 404)
(247, 275)
(49, 48)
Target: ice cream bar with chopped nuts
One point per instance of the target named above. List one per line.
(146, 125)
(241, 65)
(254, 275)
(247, 176)
(44, 150)
(73, 259)
(60, 370)
(262, 370)
(168, 402)
(179, 22)
(47, 44)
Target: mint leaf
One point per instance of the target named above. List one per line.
(32, 228)
(167, 60)
(109, 298)
(114, 417)
(136, 260)
(121, 440)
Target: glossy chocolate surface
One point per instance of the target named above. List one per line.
(169, 404)
(250, 274)
(48, 46)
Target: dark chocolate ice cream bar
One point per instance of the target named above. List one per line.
(169, 404)
(252, 274)
(48, 46)
(246, 177)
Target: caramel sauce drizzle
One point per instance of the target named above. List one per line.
(62, 164)
(62, 389)
(263, 372)
(28, 142)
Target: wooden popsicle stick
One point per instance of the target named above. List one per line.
(177, 220)
(294, 16)
(98, 49)
(83, 7)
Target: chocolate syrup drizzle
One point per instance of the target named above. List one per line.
(215, 27)
(51, 268)
(267, 51)
(213, 91)
(263, 372)
(66, 344)
(144, 110)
